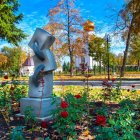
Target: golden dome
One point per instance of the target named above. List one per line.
(88, 26)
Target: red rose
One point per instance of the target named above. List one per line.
(101, 120)
(113, 79)
(5, 76)
(64, 114)
(64, 104)
(43, 124)
(133, 86)
(128, 90)
(77, 96)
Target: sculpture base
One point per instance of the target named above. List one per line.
(37, 118)
(41, 107)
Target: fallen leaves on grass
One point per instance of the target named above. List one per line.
(86, 136)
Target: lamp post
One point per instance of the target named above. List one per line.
(108, 40)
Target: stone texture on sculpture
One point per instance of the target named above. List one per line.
(43, 40)
(40, 93)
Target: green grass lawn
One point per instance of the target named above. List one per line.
(95, 93)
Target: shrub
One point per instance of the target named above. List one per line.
(68, 113)
(121, 126)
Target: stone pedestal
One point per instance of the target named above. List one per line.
(41, 107)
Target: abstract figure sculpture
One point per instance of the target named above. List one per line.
(40, 97)
(44, 61)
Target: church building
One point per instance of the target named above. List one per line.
(88, 28)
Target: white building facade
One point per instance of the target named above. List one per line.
(27, 67)
(85, 59)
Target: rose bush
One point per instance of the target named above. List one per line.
(68, 113)
(105, 122)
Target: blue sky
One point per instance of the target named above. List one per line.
(99, 11)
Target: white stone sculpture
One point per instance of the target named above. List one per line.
(41, 82)
(41, 43)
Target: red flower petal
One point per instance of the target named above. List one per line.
(101, 120)
(64, 114)
(43, 124)
(77, 96)
(113, 79)
(5, 76)
(64, 104)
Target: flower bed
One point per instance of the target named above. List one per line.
(105, 113)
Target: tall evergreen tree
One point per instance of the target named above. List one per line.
(9, 20)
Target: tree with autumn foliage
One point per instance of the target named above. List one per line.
(129, 24)
(68, 22)
(15, 58)
(3, 61)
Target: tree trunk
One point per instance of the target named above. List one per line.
(71, 65)
(100, 65)
(126, 49)
(69, 41)
(138, 65)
